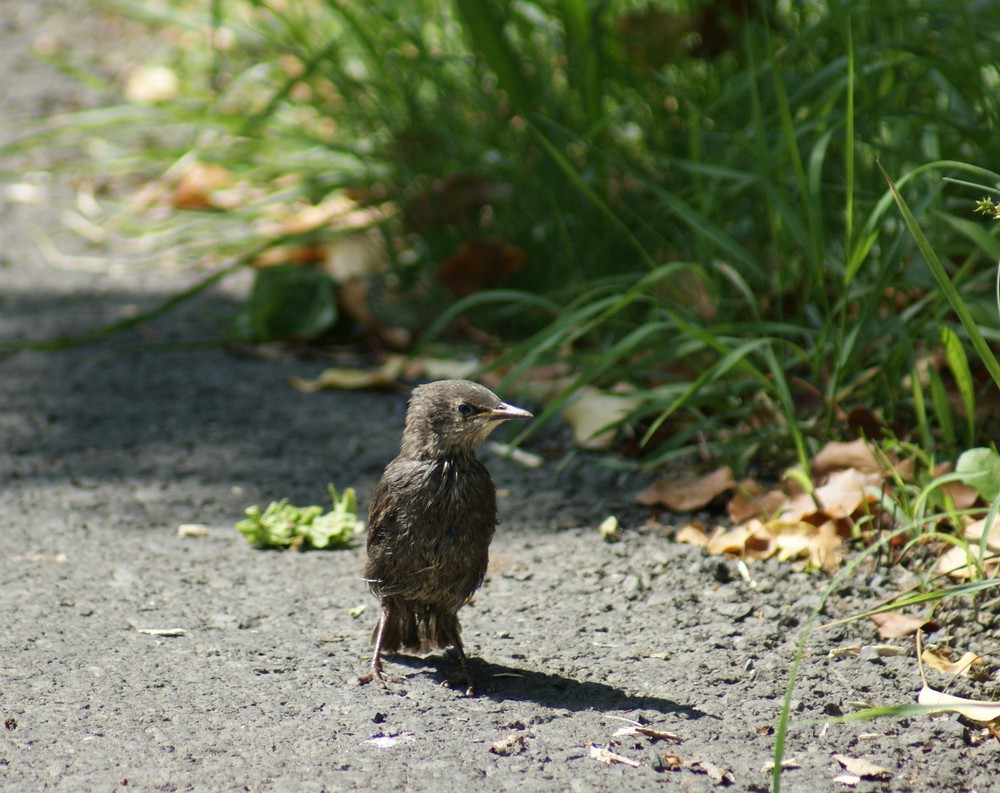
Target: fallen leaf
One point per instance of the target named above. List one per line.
(751, 501)
(861, 767)
(940, 659)
(974, 533)
(962, 495)
(442, 368)
(894, 624)
(958, 563)
(844, 652)
(791, 540)
(479, 264)
(649, 732)
(752, 539)
(853, 454)
(386, 376)
(592, 412)
(718, 774)
(786, 762)
(797, 508)
(846, 491)
(458, 199)
(198, 184)
(670, 762)
(693, 534)
(826, 547)
(973, 710)
(514, 744)
(192, 530)
(518, 455)
(687, 495)
(890, 650)
(606, 756)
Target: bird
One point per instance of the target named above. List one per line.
(431, 519)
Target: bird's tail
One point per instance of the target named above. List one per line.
(418, 630)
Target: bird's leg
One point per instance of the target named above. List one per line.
(376, 670)
(464, 667)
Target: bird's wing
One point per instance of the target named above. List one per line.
(393, 501)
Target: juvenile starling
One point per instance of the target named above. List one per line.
(431, 519)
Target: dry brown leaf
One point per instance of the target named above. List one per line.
(963, 496)
(751, 501)
(592, 412)
(649, 732)
(826, 547)
(853, 454)
(606, 756)
(720, 775)
(893, 624)
(458, 199)
(974, 533)
(861, 767)
(444, 368)
(386, 376)
(846, 491)
(198, 187)
(791, 540)
(670, 761)
(797, 508)
(479, 264)
(973, 710)
(750, 539)
(687, 495)
(940, 659)
(959, 564)
(693, 534)
(515, 744)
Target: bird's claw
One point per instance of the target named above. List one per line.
(377, 676)
(459, 682)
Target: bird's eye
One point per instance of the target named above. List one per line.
(465, 409)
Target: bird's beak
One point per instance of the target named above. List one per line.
(503, 411)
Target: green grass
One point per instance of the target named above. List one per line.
(709, 223)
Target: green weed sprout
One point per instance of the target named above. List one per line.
(283, 525)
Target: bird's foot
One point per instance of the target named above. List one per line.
(461, 681)
(377, 676)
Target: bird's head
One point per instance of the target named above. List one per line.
(451, 416)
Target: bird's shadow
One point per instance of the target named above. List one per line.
(505, 683)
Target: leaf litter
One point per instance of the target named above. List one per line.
(803, 520)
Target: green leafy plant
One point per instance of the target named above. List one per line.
(287, 302)
(282, 525)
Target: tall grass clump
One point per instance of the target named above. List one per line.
(692, 191)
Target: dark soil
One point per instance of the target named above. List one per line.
(108, 448)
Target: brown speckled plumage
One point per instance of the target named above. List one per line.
(431, 520)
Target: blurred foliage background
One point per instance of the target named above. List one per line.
(676, 203)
